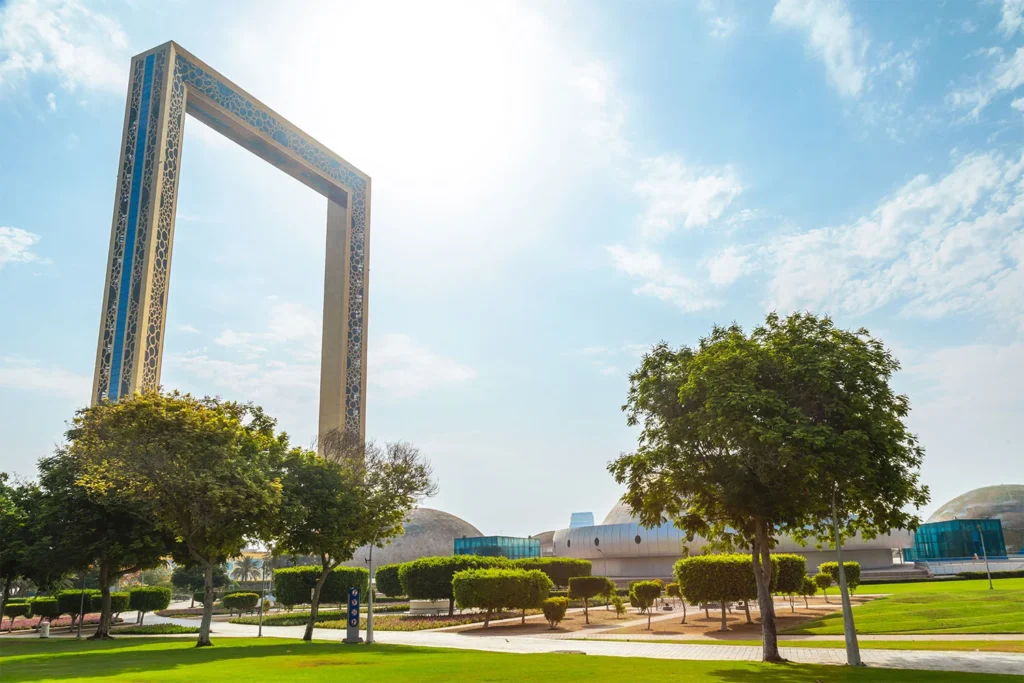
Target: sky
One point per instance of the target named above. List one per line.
(556, 187)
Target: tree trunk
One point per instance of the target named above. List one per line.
(142, 617)
(707, 615)
(524, 616)
(724, 622)
(684, 612)
(314, 602)
(586, 611)
(649, 620)
(204, 625)
(4, 594)
(761, 556)
(746, 609)
(487, 617)
(792, 606)
(103, 629)
(806, 606)
(451, 607)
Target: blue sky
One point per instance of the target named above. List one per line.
(556, 187)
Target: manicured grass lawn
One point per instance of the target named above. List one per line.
(268, 660)
(940, 645)
(937, 586)
(998, 611)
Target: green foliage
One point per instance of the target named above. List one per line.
(246, 568)
(587, 587)
(823, 581)
(68, 601)
(17, 609)
(192, 579)
(1007, 574)
(497, 589)
(430, 578)
(646, 593)
(45, 608)
(558, 569)
(790, 571)
(808, 587)
(619, 605)
(243, 602)
(156, 630)
(119, 602)
(554, 610)
(852, 573)
(672, 590)
(715, 578)
(149, 598)
(293, 585)
(386, 580)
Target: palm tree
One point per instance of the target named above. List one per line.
(246, 568)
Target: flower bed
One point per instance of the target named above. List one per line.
(23, 624)
(155, 630)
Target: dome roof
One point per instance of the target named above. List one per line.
(428, 533)
(1005, 503)
(620, 514)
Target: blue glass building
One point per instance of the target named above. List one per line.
(957, 539)
(581, 519)
(498, 546)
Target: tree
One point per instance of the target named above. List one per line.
(118, 535)
(246, 568)
(746, 437)
(619, 605)
(646, 594)
(807, 588)
(191, 579)
(293, 585)
(852, 570)
(558, 569)
(610, 589)
(45, 608)
(716, 578)
(387, 581)
(791, 571)
(585, 588)
(497, 589)
(144, 599)
(16, 512)
(430, 578)
(206, 467)
(243, 602)
(672, 590)
(823, 581)
(554, 610)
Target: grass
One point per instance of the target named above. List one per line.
(939, 645)
(999, 611)
(268, 660)
(936, 586)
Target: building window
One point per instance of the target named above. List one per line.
(637, 539)
(597, 541)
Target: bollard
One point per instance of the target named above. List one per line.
(44, 629)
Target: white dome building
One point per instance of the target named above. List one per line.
(428, 533)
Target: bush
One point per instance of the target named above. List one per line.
(672, 590)
(1007, 574)
(558, 569)
(554, 610)
(646, 593)
(852, 573)
(497, 589)
(293, 585)
(717, 578)
(156, 630)
(243, 602)
(148, 599)
(118, 602)
(45, 608)
(823, 581)
(430, 578)
(619, 605)
(807, 588)
(386, 580)
(13, 610)
(587, 587)
(68, 602)
(789, 570)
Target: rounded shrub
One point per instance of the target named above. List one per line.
(716, 578)
(430, 578)
(585, 588)
(852, 573)
(148, 599)
(243, 602)
(13, 610)
(823, 580)
(119, 601)
(554, 610)
(497, 589)
(294, 585)
(672, 590)
(807, 588)
(45, 608)
(386, 580)
(645, 594)
(790, 570)
(68, 601)
(558, 569)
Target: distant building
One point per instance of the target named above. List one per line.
(957, 539)
(1004, 502)
(579, 519)
(498, 546)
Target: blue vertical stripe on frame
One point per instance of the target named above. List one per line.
(129, 239)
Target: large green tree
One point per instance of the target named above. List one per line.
(747, 437)
(19, 505)
(117, 535)
(206, 467)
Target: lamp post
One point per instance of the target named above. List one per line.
(369, 599)
(984, 552)
(81, 609)
(263, 592)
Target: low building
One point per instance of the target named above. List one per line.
(578, 519)
(957, 539)
(498, 546)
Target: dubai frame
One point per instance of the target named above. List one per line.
(166, 83)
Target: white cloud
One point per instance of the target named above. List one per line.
(403, 368)
(51, 101)
(720, 25)
(604, 118)
(968, 26)
(660, 280)
(187, 329)
(16, 246)
(1004, 77)
(65, 39)
(833, 38)
(289, 323)
(727, 266)
(1013, 17)
(950, 245)
(1018, 104)
(28, 375)
(677, 194)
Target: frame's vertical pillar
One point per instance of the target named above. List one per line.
(124, 319)
(334, 349)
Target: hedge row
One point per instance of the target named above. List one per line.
(386, 580)
(1008, 574)
(498, 589)
(243, 602)
(294, 585)
(430, 578)
(558, 569)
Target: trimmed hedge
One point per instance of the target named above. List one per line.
(243, 602)
(852, 573)
(293, 585)
(12, 610)
(430, 578)
(200, 595)
(645, 594)
(386, 580)
(789, 570)
(587, 587)
(672, 590)
(497, 589)
(554, 610)
(118, 602)
(1006, 574)
(558, 569)
(68, 601)
(149, 599)
(45, 608)
(807, 588)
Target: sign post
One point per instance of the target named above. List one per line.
(352, 631)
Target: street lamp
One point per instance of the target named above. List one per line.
(369, 600)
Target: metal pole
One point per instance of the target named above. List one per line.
(985, 553)
(852, 648)
(263, 592)
(81, 609)
(369, 599)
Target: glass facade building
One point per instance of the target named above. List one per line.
(579, 519)
(957, 539)
(498, 546)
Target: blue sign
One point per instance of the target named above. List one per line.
(352, 632)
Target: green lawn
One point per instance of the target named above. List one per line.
(267, 660)
(947, 645)
(937, 586)
(998, 611)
